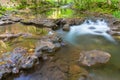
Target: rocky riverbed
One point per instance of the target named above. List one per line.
(20, 58)
(66, 23)
(62, 68)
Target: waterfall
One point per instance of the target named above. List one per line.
(89, 27)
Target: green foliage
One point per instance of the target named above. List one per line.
(116, 14)
(2, 10)
(44, 6)
(90, 4)
(82, 4)
(100, 6)
(22, 4)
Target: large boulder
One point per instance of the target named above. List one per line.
(16, 60)
(93, 57)
(48, 44)
(20, 58)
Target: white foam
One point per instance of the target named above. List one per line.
(99, 28)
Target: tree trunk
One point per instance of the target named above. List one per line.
(109, 2)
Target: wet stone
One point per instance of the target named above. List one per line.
(92, 27)
(49, 23)
(16, 19)
(8, 19)
(93, 57)
(18, 59)
(9, 36)
(116, 22)
(66, 27)
(114, 33)
(98, 32)
(2, 22)
(48, 44)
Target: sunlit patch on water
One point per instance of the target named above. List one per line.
(28, 40)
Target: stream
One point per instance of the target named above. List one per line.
(69, 55)
(110, 71)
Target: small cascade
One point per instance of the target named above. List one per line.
(89, 27)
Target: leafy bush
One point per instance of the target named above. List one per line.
(22, 4)
(116, 14)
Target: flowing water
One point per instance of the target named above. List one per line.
(84, 41)
(87, 36)
(98, 28)
(93, 35)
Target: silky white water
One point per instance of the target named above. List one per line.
(89, 27)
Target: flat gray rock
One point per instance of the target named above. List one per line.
(93, 57)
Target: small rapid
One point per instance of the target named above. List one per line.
(93, 28)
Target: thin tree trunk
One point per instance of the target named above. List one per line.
(109, 2)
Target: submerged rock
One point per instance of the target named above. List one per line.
(78, 73)
(92, 27)
(98, 32)
(93, 57)
(50, 71)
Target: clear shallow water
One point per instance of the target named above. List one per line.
(80, 42)
(87, 40)
(109, 71)
(27, 41)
